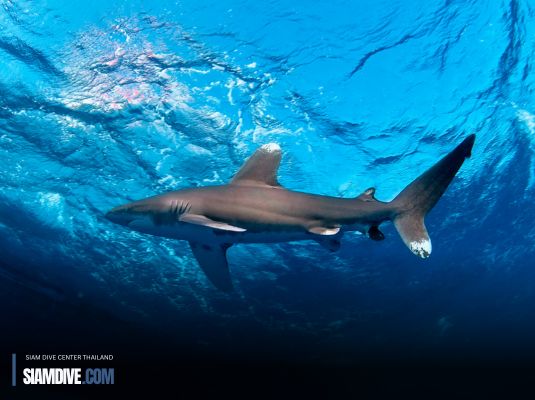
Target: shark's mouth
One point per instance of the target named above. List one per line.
(132, 222)
(129, 221)
(140, 223)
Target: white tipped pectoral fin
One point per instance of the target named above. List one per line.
(205, 221)
(213, 261)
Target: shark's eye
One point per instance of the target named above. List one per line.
(139, 208)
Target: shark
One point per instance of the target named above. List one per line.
(254, 208)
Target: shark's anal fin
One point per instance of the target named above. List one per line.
(375, 234)
(330, 243)
(261, 168)
(213, 261)
(205, 221)
(321, 230)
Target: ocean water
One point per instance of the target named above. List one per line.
(108, 102)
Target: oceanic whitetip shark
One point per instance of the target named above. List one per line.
(255, 208)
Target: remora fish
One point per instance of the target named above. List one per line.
(255, 208)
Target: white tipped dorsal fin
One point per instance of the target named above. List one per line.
(261, 167)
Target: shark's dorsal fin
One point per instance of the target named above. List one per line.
(212, 259)
(368, 195)
(261, 168)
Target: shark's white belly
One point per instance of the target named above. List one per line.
(202, 234)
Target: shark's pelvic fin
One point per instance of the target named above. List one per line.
(415, 201)
(205, 221)
(321, 230)
(213, 261)
(261, 167)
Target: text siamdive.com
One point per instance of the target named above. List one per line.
(68, 376)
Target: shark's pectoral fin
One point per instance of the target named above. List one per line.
(321, 230)
(205, 221)
(261, 168)
(331, 244)
(213, 261)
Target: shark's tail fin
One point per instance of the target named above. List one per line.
(415, 201)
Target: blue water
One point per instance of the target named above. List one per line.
(115, 101)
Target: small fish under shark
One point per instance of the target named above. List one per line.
(255, 208)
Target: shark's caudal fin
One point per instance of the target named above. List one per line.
(415, 201)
